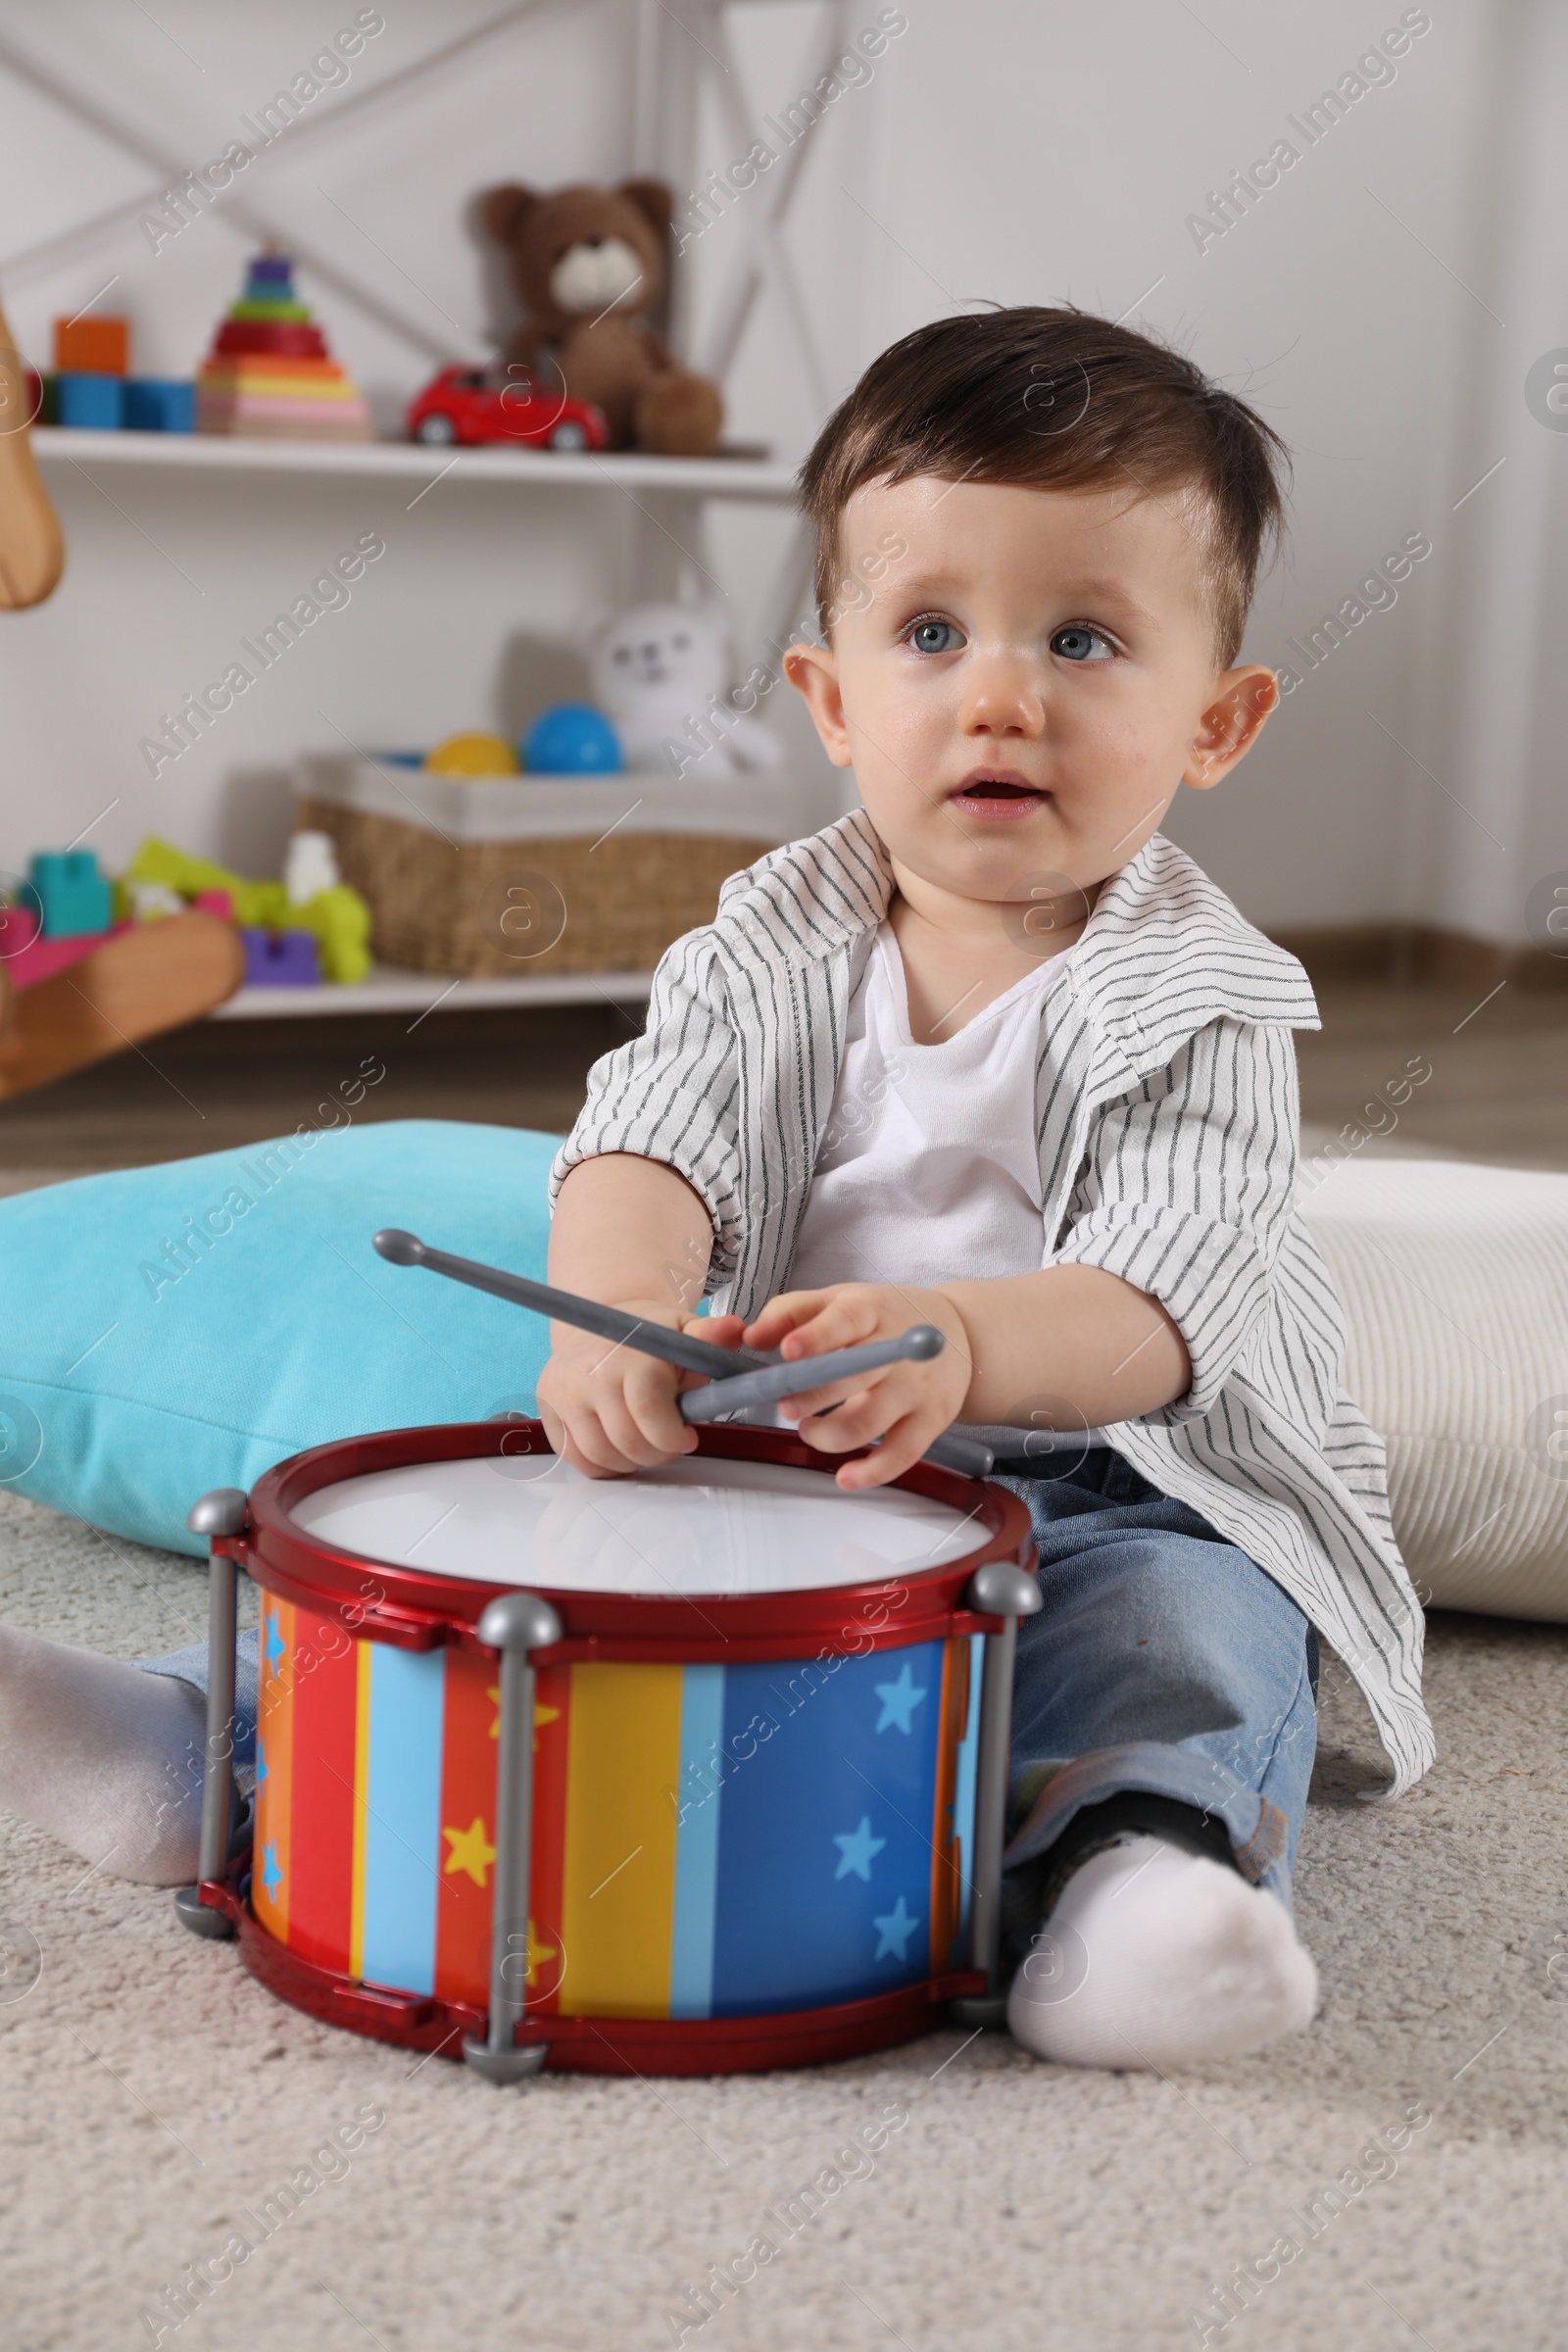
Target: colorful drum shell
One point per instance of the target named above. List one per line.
(745, 1807)
(707, 1840)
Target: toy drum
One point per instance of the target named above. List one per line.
(698, 1770)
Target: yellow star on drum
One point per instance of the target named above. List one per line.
(541, 1714)
(470, 1851)
(538, 1952)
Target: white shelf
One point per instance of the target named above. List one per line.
(388, 989)
(407, 461)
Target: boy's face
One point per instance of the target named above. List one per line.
(1022, 691)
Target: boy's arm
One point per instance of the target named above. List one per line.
(669, 1096)
(1070, 1336)
(645, 1193)
(630, 1233)
(1071, 1347)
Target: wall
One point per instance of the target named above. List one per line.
(1058, 154)
(1025, 152)
(1016, 150)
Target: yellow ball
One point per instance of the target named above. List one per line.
(475, 754)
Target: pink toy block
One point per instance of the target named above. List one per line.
(40, 958)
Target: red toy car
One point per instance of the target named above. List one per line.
(475, 405)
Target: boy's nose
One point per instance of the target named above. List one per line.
(1003, 695)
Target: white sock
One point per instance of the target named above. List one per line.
(1157, 1957)
(106, 1757)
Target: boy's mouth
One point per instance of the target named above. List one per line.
(998, 792)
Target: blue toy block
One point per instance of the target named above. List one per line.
(90, 399)
(279, 958)
(159, 404)
(76, 898)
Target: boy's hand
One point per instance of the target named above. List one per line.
(609, 1411)
(903, 1404)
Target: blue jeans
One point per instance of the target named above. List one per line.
(1168, 1684)
(190, 1666)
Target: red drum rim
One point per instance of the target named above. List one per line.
(603, 2046)
(414, 1610)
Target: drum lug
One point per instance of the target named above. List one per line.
(517, 1624)
(999, 1589)
(202, 1918)
(505, 2066)
(218, 1515)
(980, 2011)
(222, 1512)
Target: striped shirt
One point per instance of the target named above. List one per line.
(1166, 1114)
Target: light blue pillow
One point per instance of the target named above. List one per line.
(141, 1363)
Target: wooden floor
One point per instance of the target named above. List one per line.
(223, 1083)
(1498, 1084)
(1498, 1089)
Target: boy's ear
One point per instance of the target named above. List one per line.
(1231, 724)
(813, 672)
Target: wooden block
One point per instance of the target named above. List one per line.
(92, 346)
(156, 977)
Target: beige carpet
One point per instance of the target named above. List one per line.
(150, 2092)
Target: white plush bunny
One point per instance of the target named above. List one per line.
(659, 672)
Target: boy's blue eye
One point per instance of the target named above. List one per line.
(934, 637)
(1077, 644)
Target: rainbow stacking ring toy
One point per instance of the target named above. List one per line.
(270, 372)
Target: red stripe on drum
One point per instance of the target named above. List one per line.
(467, 1867)
(552, 1720)
(271, 1867)
(325, 1704)
(945, 1886)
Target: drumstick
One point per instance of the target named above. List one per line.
(564, 1307)
(720, 1365)
(949, 1449)
(915, 1345)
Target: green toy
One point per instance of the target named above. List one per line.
(338, 918)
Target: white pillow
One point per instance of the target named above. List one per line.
(1455, 1283)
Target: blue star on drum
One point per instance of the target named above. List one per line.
(859, 1851)
(894, 1930)
(898, 1701)
(270, 1872)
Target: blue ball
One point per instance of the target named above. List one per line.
(571, 739)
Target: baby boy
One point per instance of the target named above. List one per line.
(992, 1053)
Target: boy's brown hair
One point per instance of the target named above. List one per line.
(1057, 400)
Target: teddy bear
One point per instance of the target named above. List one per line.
(658, 671)
(589, 264)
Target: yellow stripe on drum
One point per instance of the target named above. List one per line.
(361, 1790)
(619, 1897)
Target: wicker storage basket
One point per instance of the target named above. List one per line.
(525, 875)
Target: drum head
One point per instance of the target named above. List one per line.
(698, 1526)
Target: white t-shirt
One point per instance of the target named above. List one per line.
(929, 1165)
